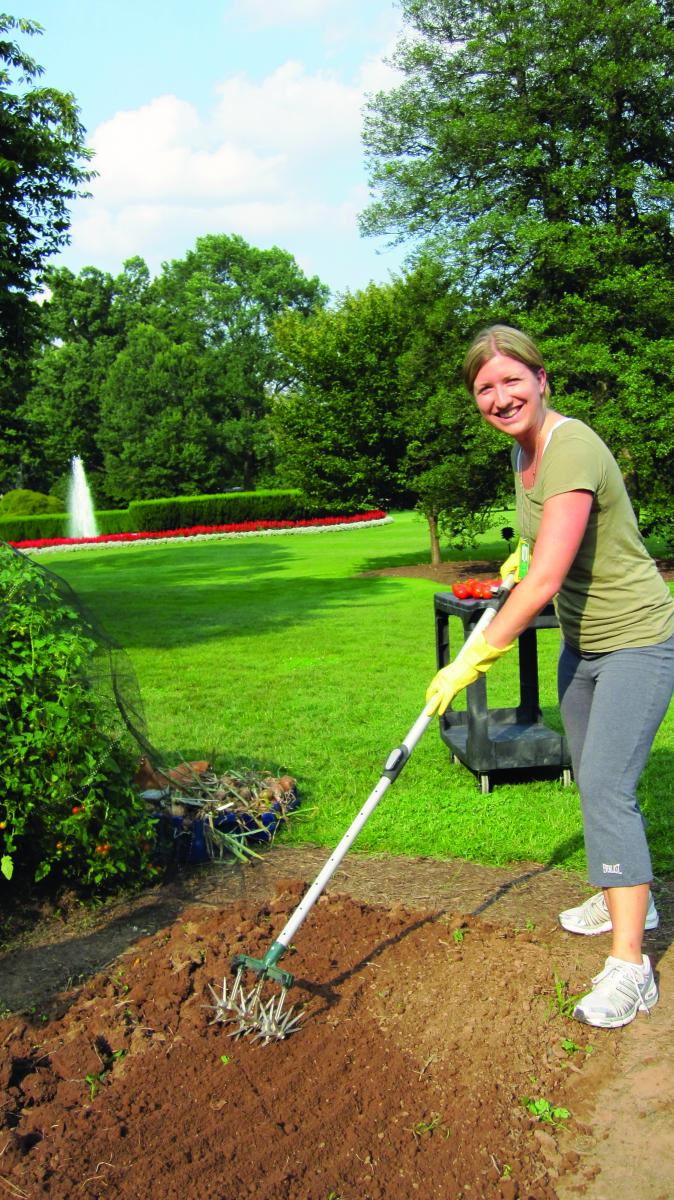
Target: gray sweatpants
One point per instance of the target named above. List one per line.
(612, 706)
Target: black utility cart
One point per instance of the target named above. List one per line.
(499, 741)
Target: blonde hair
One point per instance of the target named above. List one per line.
(501, 339)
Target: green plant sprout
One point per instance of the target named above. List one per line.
(544, 1111)
(428, 1127)
(562, 1002)
(96, 1078)
(458, 935)
(571, 1047)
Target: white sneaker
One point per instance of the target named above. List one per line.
(620, 991)
(593, 916)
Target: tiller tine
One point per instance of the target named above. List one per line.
(265, 1020)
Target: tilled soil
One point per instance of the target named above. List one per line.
(426, 1029)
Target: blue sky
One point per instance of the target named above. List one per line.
(231, 116)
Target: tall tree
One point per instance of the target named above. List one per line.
(222, 299)
(378, 414)
(155, 433)
(43, 167)
(85, 323)
(533, 141)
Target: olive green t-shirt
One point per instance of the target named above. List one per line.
(613, 596)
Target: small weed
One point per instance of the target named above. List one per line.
(95, 1079)
(507, 1171)
(562, 1002)
(224, 1058)
(429, 1127)
(458, 935)
(543, 1110)
(572, 1047)
(530, 925)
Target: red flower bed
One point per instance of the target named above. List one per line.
(193, 531)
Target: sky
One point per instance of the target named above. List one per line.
(222, 116)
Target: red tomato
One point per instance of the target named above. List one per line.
(486, 590)
(475, 589)
(460, 591)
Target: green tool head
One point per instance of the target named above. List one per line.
(266, 967)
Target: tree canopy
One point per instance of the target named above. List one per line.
(43, 167)
(532, 143)
(378, 414)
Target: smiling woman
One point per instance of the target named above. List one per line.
(616, 671)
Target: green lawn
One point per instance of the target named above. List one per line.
(277, 651)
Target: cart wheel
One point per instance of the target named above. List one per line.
(485, 785)
(566, 777)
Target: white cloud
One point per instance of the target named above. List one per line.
(277, 160)
(164, 150)
(291, 111)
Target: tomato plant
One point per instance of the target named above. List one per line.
(66, 759)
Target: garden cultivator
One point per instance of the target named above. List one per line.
(267, 1020)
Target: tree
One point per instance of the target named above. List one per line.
(42, 169)
(222, 300)
(533, 144)
(84, 324)
(338, 427)
(378, 414)
(156, 435)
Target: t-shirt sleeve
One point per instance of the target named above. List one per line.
(571, 464)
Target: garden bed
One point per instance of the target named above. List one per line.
(204, 532)
(426, 1034)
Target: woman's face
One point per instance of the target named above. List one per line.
(510, 395)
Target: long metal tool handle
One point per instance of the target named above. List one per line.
(392, 768)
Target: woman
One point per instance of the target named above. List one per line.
(616, 669)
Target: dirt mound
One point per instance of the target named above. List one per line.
(424, 1034)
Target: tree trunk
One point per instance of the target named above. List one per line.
(436, 557)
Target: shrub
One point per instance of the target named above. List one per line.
(67, 805)
(24, 502)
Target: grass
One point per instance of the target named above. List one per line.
(278, 652)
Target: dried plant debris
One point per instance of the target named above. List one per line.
(220, 813)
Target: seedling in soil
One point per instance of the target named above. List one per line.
(224, 1059)
(458, 935)
(572, 1047)
(424, 1127)
(562, 1002)
(95, 1079)
(545, 1111)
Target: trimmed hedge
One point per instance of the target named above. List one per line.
(228, 508)
(179, 512)
(47, 525)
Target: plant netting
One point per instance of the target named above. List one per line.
(84, 796)
(71, 725)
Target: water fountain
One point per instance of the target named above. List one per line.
(81, 516)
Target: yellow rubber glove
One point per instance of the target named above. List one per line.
(517, 563)
(469, 665)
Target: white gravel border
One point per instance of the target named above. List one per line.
(206, 537)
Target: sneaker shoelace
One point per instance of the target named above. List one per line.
(595, 910)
